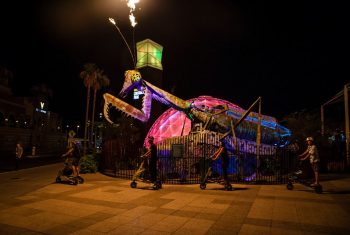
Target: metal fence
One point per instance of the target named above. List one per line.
(184, 160)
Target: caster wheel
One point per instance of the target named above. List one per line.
(229, 187)
(73, 181)
(133, 184)
(80, 179)
(318, 189)
(290, 186)
(58, 180)
(203, 185)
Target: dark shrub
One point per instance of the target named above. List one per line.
(89, 163)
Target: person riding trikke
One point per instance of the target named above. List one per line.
(74, 154)
(153, 159)
(222, 152)
(312, 153)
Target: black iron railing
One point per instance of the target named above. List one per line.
(184, 160)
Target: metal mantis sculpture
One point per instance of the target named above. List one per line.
(219, 119)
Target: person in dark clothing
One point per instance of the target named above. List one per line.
(223, 154)
(153, 159)
(76, 159)
(74, 153)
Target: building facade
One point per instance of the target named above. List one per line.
(28, 120)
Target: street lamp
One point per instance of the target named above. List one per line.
(77, 129)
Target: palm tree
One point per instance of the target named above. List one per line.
(101, 81)
(89, 76)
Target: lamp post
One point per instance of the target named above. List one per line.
(77, 129)
(67, 128)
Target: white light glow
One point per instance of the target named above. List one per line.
(132, 20)
(112, 20)
(132, 5)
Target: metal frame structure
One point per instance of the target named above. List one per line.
(337, 98)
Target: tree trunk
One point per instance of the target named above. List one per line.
(86, 117)
(93, 120)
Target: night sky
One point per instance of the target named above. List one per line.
(292, 53)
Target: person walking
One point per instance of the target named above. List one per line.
(19, 153)
(312, 153)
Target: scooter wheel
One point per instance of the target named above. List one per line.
(290, 186)
(155, 186)
(80, 179)
(318, 189)
(229, 187)
(159, 184)
(58, 180)
(133, 184)
(73, 181)
(203, 185)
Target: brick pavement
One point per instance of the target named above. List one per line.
(31, 203)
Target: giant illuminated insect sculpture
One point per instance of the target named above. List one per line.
(218, 119)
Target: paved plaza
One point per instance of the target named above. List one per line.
(31, 203)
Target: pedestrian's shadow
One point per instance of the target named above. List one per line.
(239, 188)
(333, 176)
(65, 182)
(146, 188)
(223, 188)
(337, 192)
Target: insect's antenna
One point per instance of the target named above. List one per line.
(132, 55)
(134, 45)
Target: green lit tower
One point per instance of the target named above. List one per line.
(149, 54)
(149, 63)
